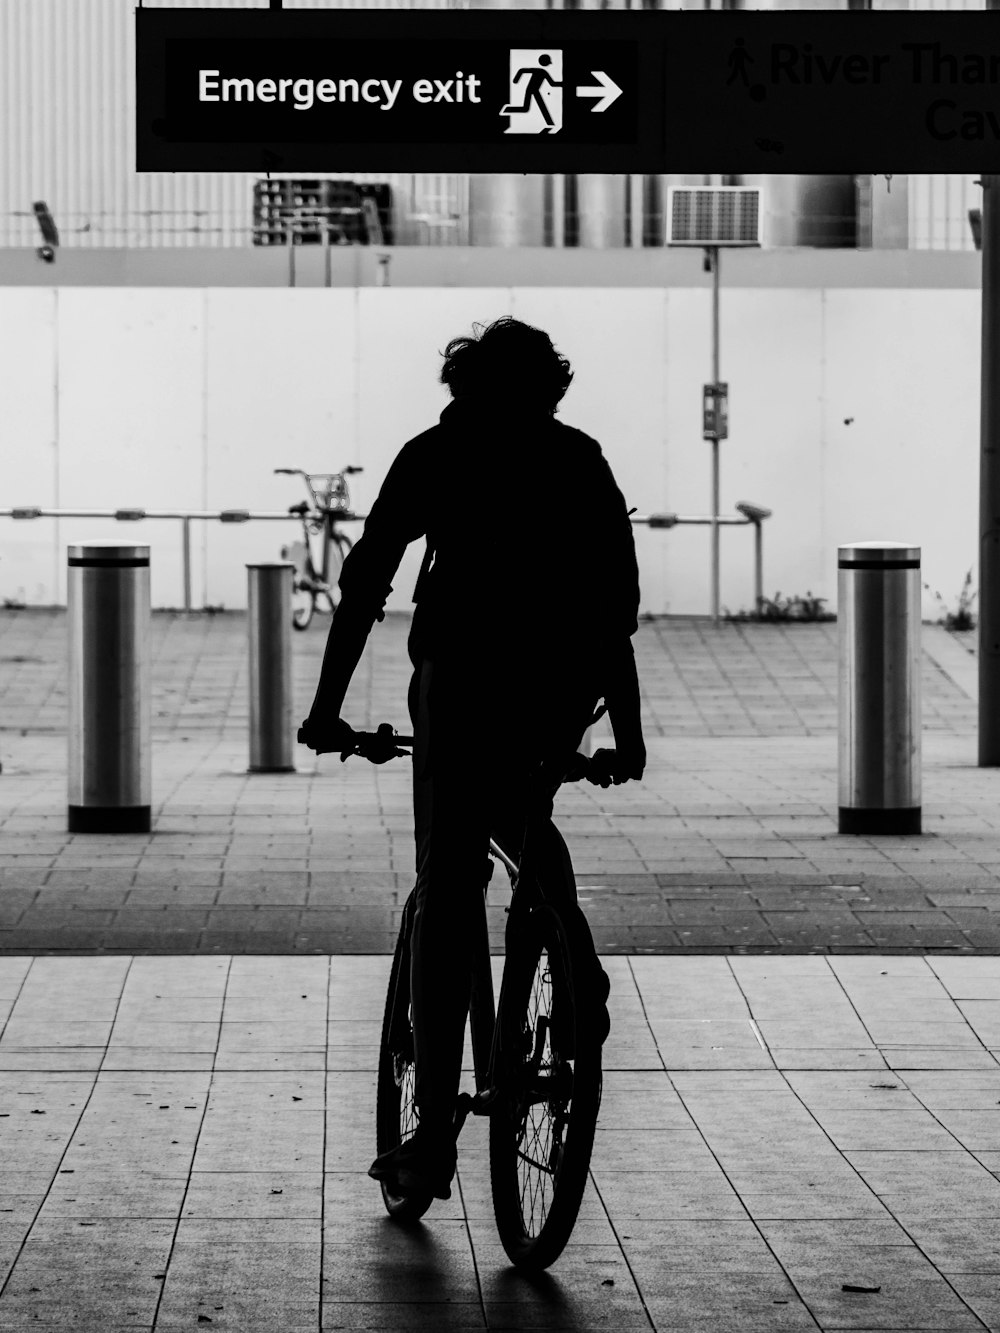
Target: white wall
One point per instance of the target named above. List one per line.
(163, 397)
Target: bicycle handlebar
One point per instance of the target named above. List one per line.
(348, 471)
(383, 744)
(378, 746)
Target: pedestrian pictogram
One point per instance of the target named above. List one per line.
(738, 64)
(535, 78)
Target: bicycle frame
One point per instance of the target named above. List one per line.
(528, 891)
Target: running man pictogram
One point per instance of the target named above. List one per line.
(540, 111)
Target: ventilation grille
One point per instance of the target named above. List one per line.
(717, 215)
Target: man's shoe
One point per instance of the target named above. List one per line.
(592, 1017)
(423, 1163)
(599, 992)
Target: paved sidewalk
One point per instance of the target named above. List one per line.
(730, 843)
(785, 1144)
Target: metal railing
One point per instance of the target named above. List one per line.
(184, 516)
(749, 513)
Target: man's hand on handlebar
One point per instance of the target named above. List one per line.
(338, 736)
(605, 767)
(328, 736)
(613, 766)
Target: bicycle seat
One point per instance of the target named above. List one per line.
(301, 508)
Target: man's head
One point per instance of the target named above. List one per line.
(506, 362)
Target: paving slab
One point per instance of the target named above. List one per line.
(728, 845)
(721, 1197)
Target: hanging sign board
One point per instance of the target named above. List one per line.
(567, 90)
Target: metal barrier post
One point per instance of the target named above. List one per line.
(186, 533)
(109, 776)
(879, 735)
(756, 514)
(269, 621)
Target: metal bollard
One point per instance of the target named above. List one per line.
(879, 735)
(270, 630)
(109, 775)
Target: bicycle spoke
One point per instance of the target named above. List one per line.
(408, 1115)
(530, 1161)
(395, 1110)
(540, 1150)
(535, 1188)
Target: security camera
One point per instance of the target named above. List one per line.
(50, 233)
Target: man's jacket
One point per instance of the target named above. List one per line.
(531, 573)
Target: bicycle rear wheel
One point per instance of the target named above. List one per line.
(542, 1130)
(395, 1112)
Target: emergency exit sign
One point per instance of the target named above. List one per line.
(602, 91)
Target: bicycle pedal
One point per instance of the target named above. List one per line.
(468, 1104)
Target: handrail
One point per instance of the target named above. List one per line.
(674, 520)
(135, 515)
(749, 513)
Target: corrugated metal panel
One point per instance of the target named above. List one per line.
(68, 91)
(68, 74)
(939, 211)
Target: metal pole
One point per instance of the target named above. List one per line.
(878, 622)
(269, 623)
(758, 542)
(109, 696)
(989, 484)
(714, 253)
(989, 477)
(186, 524)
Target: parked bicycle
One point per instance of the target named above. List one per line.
(536, 1051)
(329, 505)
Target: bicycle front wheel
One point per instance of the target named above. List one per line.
(340, 548)
(303, 581)
(542, 1130)
(395, 1109)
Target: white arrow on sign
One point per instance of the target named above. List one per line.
(606, 89)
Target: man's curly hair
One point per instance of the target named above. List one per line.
(507, 361)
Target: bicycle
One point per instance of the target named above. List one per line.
(536, 1050)
(331, 506)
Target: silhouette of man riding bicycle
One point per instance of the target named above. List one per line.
(516, 635)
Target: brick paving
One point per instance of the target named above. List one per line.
(793, 1144)
(785, 1143)
(729, 844)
